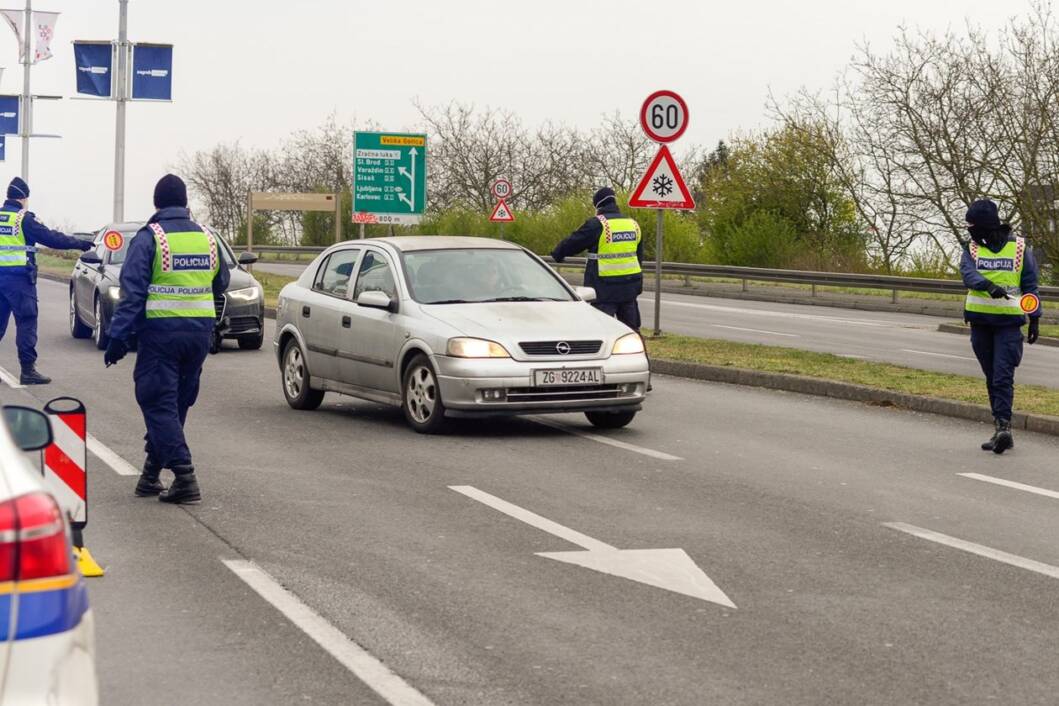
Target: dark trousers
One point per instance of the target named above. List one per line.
(999, 352)
(18, 296)
(168, 367)
(626, 312)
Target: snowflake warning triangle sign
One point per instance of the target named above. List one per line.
(662, 186)
(502, 214)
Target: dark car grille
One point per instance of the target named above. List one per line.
(552, 347)
(574, 393)
(243, 324)
(218, 306)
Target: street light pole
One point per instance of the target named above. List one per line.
(27, 100)
(121, 90)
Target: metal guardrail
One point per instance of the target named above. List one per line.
(756, 274)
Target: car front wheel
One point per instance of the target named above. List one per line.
(99, 331)
(610, 420)
(296, 379)
(421, 397)
(78, 328)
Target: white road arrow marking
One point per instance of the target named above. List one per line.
(668, 569)
(411, 176)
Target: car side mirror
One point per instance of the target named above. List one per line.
(30, 428)
(377, 300)
(247, 258)
(587, 294)
(91, 258)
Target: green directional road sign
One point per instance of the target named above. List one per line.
(389, 177)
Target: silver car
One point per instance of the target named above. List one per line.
(454, 327)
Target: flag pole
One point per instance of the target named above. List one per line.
(27, 100)
(119, 127)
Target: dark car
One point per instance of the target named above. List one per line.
(95, 291)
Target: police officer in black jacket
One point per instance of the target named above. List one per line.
(615, 252)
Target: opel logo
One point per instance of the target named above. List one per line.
(563, 348)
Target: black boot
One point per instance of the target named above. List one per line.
(185, 488)
(150, 484)
(1004, 439)
(989, 445)
(30, 376)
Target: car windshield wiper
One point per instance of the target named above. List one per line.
(525, 299)
(453, 301)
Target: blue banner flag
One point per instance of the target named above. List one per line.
(3, 148)
(95, 68)
(152, 72)
(9, 115)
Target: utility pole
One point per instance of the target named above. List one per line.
(121, 89)
(27, 99)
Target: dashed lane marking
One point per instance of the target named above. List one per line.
(607, 440)
(10, 380)
(349, 654)
(1012, 484)
(979, 549)
(116, 462)
(938, 355)
(783, 314)
(757, 330)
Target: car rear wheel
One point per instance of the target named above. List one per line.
(421, 397)
(99, 331)
(252, 342)
(78, 328)
(610, 420)
(296, 379)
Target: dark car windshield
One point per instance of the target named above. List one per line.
(470, 275)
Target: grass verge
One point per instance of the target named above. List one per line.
(885, 376)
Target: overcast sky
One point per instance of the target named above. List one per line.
(255, 71)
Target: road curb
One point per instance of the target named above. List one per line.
(848, 391)
(966, 331)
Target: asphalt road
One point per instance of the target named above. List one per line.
(906, 339)
(788, 503)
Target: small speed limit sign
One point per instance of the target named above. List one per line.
(664, 116)
(501, 188)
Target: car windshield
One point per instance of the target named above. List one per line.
(117, 257)
(472, 275)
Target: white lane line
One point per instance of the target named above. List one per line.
(116, 462)
(979, 549)
(1012, 484)
(757, 330)
(938, 355)
(783, 314)
(392, 688)
(10, 380)
(607, 440)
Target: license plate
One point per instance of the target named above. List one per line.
(568, 376)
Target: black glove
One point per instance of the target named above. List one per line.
(85, 245)
(116, 350)
(1034, 331)
(997, 292)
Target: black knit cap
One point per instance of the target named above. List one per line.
(18, 189)
(170, 191)
(602, 196)
(984, 214)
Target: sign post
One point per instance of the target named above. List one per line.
(389, 178)
(664, 118)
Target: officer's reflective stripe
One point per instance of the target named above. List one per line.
(19, 248)
(987, 301)
(13, 258)
(179, 291)
(179, 304)
(621, 267)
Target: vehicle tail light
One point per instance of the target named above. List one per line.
(32, 539)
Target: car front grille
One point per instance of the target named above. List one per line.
(243, 324)
(553, 347)
(218, 306)
(574, 393)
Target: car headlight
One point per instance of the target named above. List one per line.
(627, 344)
(476, 348)
(114, 293)
(248, 294)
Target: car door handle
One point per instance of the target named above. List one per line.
(346, 322)
(305, 312)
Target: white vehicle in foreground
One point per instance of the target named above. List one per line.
(47, 638)
(454, 327)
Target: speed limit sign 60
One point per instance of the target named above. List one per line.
(501, 188)
(664, 116)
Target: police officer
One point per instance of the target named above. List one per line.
(998, 269)
(20, 232)
(171, 275)
(615, 251)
